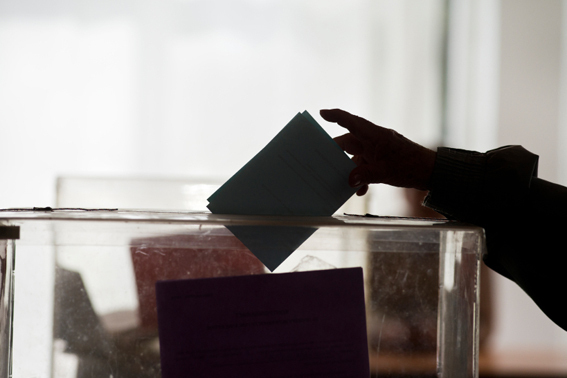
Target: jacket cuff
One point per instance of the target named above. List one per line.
(457, 179)
(469, 185)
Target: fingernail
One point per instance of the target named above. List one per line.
(356, 180)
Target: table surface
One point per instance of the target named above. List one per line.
(508, 364)
(524, 363)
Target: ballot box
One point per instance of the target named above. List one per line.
(78, 286)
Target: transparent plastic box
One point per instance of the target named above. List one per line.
(78, 297)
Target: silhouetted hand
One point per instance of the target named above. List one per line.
(381, 155)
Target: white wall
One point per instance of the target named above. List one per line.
(506, 80)
(196, 88)
(530, 77)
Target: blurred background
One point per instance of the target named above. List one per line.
(177, 89)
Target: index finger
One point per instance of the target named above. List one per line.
(355, 124)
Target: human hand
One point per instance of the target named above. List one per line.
(381, 155)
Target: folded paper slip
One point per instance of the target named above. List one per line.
(301, 172)
(303, 324)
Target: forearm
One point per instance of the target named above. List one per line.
(523, 217)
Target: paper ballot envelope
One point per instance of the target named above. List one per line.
(301, 172)
(303, 324)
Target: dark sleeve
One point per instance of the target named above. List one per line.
(522, 216)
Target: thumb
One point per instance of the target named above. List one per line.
(365, 174)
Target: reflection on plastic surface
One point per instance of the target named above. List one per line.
(312, 263)
(7, 236)
(458, 299)
(272, 244)
(4, 310)
(172, 257)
